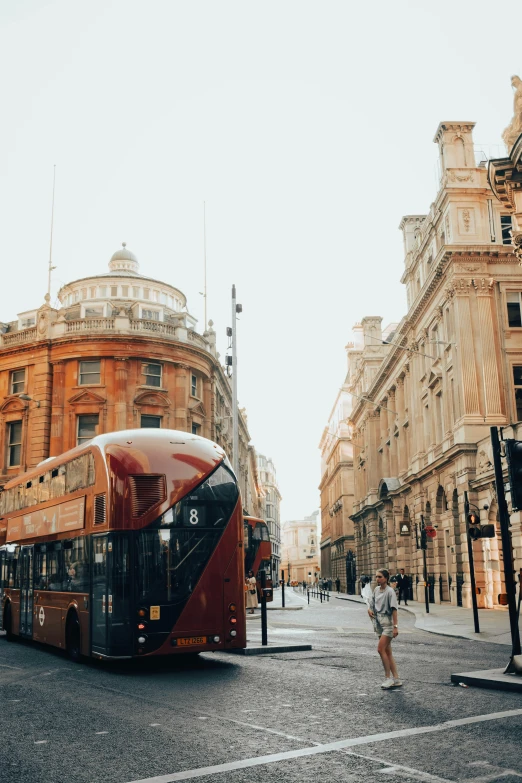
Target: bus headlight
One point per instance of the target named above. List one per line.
(233, 633)
(216, 639)
(142, 639)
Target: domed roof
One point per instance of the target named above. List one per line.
(124, 260)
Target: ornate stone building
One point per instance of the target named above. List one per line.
(270, 500)
(338, 561)
(121, 352)
(300, 550)
(451, 369)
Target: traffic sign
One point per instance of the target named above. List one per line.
(430, 531)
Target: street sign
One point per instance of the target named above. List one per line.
(430, 531)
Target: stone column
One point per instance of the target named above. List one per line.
(208, 405)
(393, 440)
(467, 365)
(400, 440)
(120, 389)
(181, 397)
(372, 457)
(491, 373)
(385, 468)
(56, 445)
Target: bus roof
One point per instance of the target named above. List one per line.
(145, 450)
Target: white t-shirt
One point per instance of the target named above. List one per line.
(384, 600)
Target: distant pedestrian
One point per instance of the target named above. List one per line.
(338, 585)
(383, 611)
(403, 584)
(251, 592)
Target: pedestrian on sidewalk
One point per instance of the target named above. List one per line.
(403, 584)
(251, 592)
(338, 585)
(383, 612)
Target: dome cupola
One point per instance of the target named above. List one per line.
(124, 261)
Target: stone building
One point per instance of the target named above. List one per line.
(300, 550)
(121, 352)
(338, 561)
(448, 372)
(270, 500)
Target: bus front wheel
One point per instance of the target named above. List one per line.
(73, 637)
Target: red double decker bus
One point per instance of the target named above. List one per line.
(129, 545)
(258, 551)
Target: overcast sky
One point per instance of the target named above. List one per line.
(307, 129)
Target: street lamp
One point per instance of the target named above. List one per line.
(28, 398)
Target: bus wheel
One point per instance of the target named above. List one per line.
(73, 637)
(8, 623)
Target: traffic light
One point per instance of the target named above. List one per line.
(424, 538)
(476, 530)
(514, 460)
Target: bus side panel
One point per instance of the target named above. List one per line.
(14, 598)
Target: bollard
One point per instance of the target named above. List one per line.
(283, 589)
(321, 596)
(308, 593)
(264, 637)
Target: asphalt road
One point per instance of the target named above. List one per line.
(290, 717)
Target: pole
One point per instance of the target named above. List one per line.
(503, 516)
(424, 545)
(205, 262)
(283, 588)
(471, 567)
(235, 434)
(264, 635)
(51, 267)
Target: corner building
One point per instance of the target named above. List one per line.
(450, 371)
(121, 352)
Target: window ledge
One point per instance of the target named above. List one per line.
(153, 388)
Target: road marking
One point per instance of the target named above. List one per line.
(101, 732)
(154, 724)
(327, 747)
(40, 742)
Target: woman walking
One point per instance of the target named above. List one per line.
(383, 611)
(251, 592)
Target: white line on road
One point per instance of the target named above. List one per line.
(327, 748)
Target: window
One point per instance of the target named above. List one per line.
(151, 373)
(194, 385)
(195, 428)
(156, 296)
(94, 312)
(150, 315)
(125, 290)
(93, 292)
(146, 293)
(84, 293)
(14, 440)
(513, 309)
(87, 427)
(89, 373)
(517, 381)
(103, 290)
(151, 421)
(114, 290)
(164, 299)
(76, 296)
(17, 383)
(506, 223)
(135, 292)
(26, 323)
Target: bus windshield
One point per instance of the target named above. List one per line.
(174, 550)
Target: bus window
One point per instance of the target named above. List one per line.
(76, 566)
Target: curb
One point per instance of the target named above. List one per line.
(494, 679)
(280, 648)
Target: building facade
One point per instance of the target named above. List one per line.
(300, 552)
(338, 555)
(448, 372)
(270, 509)
(121, 352)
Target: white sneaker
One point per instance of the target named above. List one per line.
(397, 683)
(388, 683)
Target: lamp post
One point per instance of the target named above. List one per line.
(471, 566)
(236, 308)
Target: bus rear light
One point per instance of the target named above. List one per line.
(142, 639)
(232, 620)
(142, 612)
(233, 632)
(140, 650)
(216, 639)
(232, 607)
(141, 626)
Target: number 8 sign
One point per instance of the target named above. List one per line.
(194, 516)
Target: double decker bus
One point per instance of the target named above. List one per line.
(258, 552)
(128, 545)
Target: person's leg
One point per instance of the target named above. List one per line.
(382, 649)
(391, 660)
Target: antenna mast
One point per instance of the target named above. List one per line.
(51, 267)
(205, 262)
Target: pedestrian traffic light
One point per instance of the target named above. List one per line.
(514, 460)
(424, 539)
(476, 530)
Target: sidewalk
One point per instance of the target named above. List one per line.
(448, 620)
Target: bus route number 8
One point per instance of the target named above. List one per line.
(194, 516)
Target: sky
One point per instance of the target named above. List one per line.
(306, 128)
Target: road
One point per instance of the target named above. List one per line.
(290, 717)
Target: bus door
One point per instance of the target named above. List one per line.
(26, 591)
(111, 626)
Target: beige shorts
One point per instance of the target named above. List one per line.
(383, 625)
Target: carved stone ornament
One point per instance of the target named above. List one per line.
(460, 175)
(514, 129)
(484, 462)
